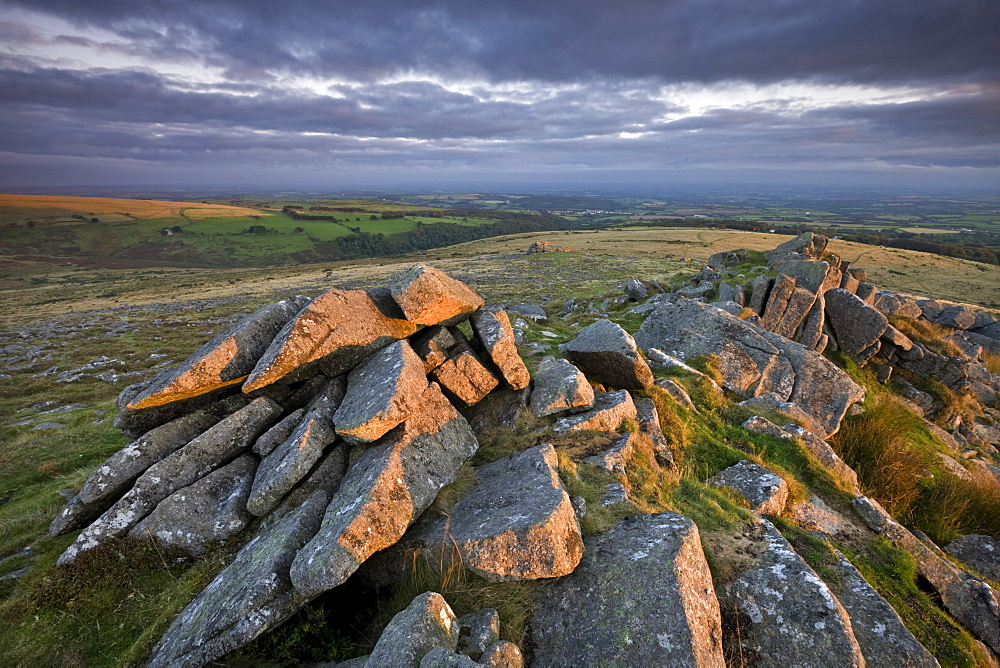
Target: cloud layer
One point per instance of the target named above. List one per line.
(320, 92)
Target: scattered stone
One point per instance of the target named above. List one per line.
(428, 296)
(610, 408)
(381, 393)
(789, 616)
(339, 328)
(635, 291)
(428, 622)
(560, 387)
(649, 427)
(614, 494)
(530, 311)
(384, 491)
(495, 333)
(817, 446)
(50, 425)
(205, 513)
(766, 492)
(606, 613)
(606, 352)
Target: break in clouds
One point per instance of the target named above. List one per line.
(324, 92)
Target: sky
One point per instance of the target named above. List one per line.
(453, 93)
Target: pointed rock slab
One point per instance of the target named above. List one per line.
(428, 622)
(789, 615)
(339, 328)
(607, 613)
(465, 376)
(120, 471)
(205, 514)
(972, 602)
(495, 333)
(289, 463)
(606, 352)
(384, 491)
(649, 426)
(253, 594)
(883, 639)
(799, 306)
(777, 302)
(381, 393)
(610, 408)
(225, 360)
(277, 434)
(136, 423)
(215, 447)
(560, 387)
(760, 291)
(807, 244)
(428, 296)
(766, 492)
(517, 523)
(857, 325)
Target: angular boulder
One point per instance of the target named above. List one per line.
(204, 514)
(225, 360)
(497, 338)
(479, 631)
(607, 353)
(982, 553)
(610, 408)
(339, 328)
(466, 377)
(428, 296)
(428, 622)
(559, 387)
(606, 612)
(503, 654)
(384, 491)
(889, 303)
(789, 616)
(434, 345)
(857, 325)
(517, 523)
(760, 290)
(381, 393)
(766, 492)
(217, 446)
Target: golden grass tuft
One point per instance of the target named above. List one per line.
(935, 337)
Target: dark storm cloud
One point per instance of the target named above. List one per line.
(561, 40)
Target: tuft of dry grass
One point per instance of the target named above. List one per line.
(876, 444)
(954, 506)
(992, 361)
(935, 337)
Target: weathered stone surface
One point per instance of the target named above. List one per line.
(225, 360)
(428, 622)
(731, 293)
(883, 639)
(428, 296)
(250, 596)
(615, 460)
(766, 492)
(606, 613)
(502, 654)
(607, 353)
(749, 363)
(495, 333)
(339, 328)
(661, 360)
(760, 291)
(517, 523)
(816, 276)
(219, 444)
(677, 393)
(441, 657)
(972, 602)
(897, 338)
(119, 472)
(866, 293)
(635, 291)
(204, 514)
(790, 616)
(857, 325)
(135, 423)
(277, 434)
(465, 376)
(610, 408)
(532, 312)
(381, 393)
(384, 491)
(889, 303)
(786, 409)
(479, 630)
(982, 553)
(560, 387)
(810, 332)
(649, 426)
(777, 301)
(799, 306)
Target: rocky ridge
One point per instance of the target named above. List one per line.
(318, 432)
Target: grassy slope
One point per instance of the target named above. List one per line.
(94, 615)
